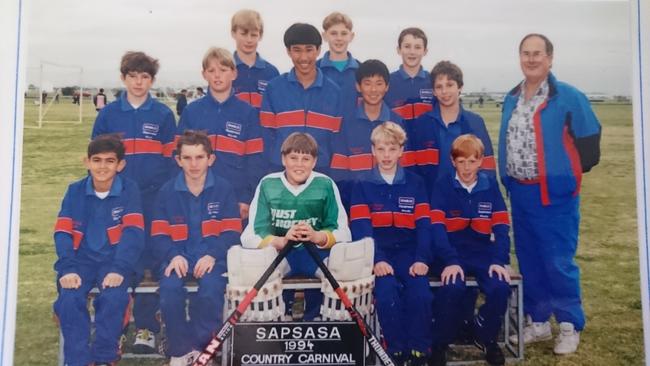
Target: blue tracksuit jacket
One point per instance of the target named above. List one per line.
(233, 128)
(148, 135)
(288, 107)
(410, 97)
(431, 143)
(251, 81)
(346, 80)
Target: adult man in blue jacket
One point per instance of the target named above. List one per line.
(549, 137)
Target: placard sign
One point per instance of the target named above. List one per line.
(297, 343)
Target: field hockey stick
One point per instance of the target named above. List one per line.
(361, 323)
(217, 341)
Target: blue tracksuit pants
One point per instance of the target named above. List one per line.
(546, 239)
(110, 307)
(205, 309)
(448, 314)
(404, 305)
(302, 264)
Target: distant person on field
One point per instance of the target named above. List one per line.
(410, 92)
(253, 72)
(391, 205)
(338, 63)
(298, 204)
(181, 102)
(99, 236)
(147, 128)
(195, 221)
(99, 100)
(549, 137)
(232, 125)
(470, 227)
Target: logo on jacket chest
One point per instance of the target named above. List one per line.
(426, 94)
(484, 208)
(150, 129)
(233, 129)
(406, 203)
(261, 85)
(213, 208)
(116, 213)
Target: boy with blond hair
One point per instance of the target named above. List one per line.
(338, 63)
(253, 72)
(470, 227)
(231, 124)
(390, 205)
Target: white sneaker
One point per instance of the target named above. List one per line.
(145, 342)
(185, 360)
(568, 339)
(534, 332)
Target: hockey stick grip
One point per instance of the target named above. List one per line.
(354, 314)
(217, 341)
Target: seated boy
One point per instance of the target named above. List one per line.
(470, 230)
(99, 236)
(390, 205)
(195, 222)
(302, 100)
(253, 72)
(337, 63)
(352, 149)
(147, 127)
(434, 132)
(232, 126)
(299, 205)
(410, 91)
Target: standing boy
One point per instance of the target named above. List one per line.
(232, 126)
(337, 63)
(410, 91)
(302, 100)
(147, 128)
(352, 150)
(298, 204)
(195, 221)
(434, 131)
(99, 236)
(470, 230)
(390, 204)
(253, 72)
(99, 100)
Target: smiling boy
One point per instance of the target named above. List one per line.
(99, 236)
(390, 205)
(298, 204)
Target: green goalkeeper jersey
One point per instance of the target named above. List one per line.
(277, 206)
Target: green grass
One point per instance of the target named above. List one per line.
(608, 253)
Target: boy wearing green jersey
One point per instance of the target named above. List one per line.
(300, 205)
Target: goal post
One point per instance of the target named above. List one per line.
(52, 80)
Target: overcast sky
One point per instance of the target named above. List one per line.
(591, 38)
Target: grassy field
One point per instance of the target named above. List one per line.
(607, 254)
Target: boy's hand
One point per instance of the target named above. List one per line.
(383, 269)
(69, 281)
(179, 265)
(450, 273)
(418, 269)
(203, 266)
(305, 232)
(243, 210)
(500, 271)
(112, 280)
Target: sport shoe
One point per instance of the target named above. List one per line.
(399, 358)
(145, 342)
(418, 358)
(568, 339)
(493, 354)
(186, 359)
(534, 332)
